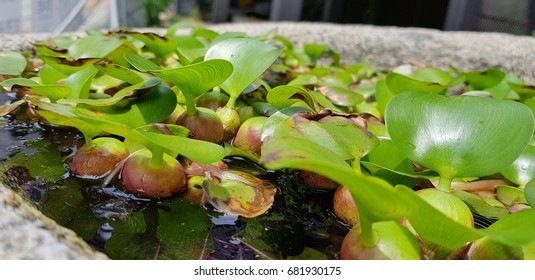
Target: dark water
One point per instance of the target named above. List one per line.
(32, 161)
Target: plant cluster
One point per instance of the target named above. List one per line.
(411, 153)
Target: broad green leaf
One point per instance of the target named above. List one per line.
(125, 93)
(522, 170)
(398, 83)
(203, 32)
(12, 63)
(287, 95)
(351, 137)
(196, 79)
(383, 95)
(44, 49)
(80, 82)
(94, 46)
(343, 96)
(479, 206)
(49, 75)
(189, 48)
(140, 63)
(119, 72)
(305, 79)
(152, 106)
(250, 59)
(516, 229)
(435, 75)
(435, 228)
(524, 91)
(160, 46)
(509, 195)
(529, 193)
(68, 66)
(314, 51)
(197, 150)
(459, 136)
(53, 92)
(484, 79)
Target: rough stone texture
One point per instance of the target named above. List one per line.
(27, 234)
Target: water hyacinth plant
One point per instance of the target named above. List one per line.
(181, 132)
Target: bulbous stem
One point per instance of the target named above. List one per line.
(444, 184)
(356, 166)
(231, 103)
(368, 236)
(191, 108)
(156, 161)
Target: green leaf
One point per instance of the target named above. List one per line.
(484, 79)
(343, 96)
(53, 92)
(152, 106)
(140, 63)
(435, 75)
(160, 46)
(525, 91)
(80, 82)
(398, 83)
(12, 63)
(119, 72)
(510, 195)
(127, 92)
(314, 51)
(49, 75)
(68, 66)
(196, 79)
(459, 136)
(529, 192)
(250, 59)
(286, 95)
(516, 229)
(479, 206)
(189, 48)
(522, 170)
(197, 150)
(94, 46)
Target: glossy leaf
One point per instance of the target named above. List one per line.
(68, 66)
(510, 195)
(80, 82)
(241, 52)
(481, 207)
(522, 170)
(314, 51)
(53, 92)
(140, 63)
(485, 79)
(285, 96)
(119, 72)
(343, 96)
(125, 93)
(160, 46)
(196, 79)
(12, 63)
(435, 75)
(459, 136)
(94, 46)
(529, 193)
(398, 83)
(516, 229)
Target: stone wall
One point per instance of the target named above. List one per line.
(27, 234)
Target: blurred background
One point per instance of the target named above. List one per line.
(56, 16)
